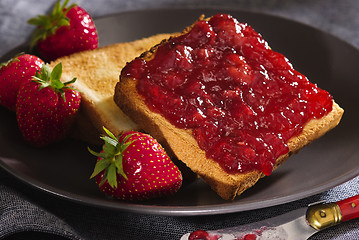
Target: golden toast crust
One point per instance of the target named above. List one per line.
(181, 143)
(185, 147)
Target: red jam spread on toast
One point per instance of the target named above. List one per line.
(242, 100)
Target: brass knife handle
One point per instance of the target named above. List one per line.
(325, 215)
(322, 216)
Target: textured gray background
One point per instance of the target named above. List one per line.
(340, 18)
(29, 214)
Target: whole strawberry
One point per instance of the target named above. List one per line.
(135, 167)
(13, 74)
(68, 29)
(46, 107)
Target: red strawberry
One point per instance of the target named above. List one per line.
(13, 74)
(64, 31)
(46, 107)
(135, 167)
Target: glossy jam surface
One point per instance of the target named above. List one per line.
(242, 100)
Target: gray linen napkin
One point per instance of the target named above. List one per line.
(18, 214)
(27, 213)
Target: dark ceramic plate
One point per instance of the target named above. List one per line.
(330, 161)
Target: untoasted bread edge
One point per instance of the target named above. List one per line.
(98, 108)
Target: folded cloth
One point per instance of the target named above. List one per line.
(19, 214)
(25, 210)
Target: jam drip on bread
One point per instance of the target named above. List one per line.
(242, 100)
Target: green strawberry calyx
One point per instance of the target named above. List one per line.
(14, 59)
(48, 24)
(52, 79)
(111, 158)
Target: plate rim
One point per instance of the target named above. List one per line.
(213, 209)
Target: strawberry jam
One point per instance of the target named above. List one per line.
(242, 100)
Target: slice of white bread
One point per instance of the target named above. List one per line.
(97, 72)
(185, 147)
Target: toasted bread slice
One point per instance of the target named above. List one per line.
(97, 72)
(181, 142)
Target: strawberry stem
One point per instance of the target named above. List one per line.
(110, 159)
(48, 24)
(52, 79)
(14, 59)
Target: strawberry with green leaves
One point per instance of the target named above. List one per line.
(66, 30)
(13, 74)
(46, 107)
(135, 167)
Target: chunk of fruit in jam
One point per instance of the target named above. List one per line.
(242, 100)
(202, 235)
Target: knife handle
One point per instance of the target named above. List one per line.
(349, 207)
(321, 216)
